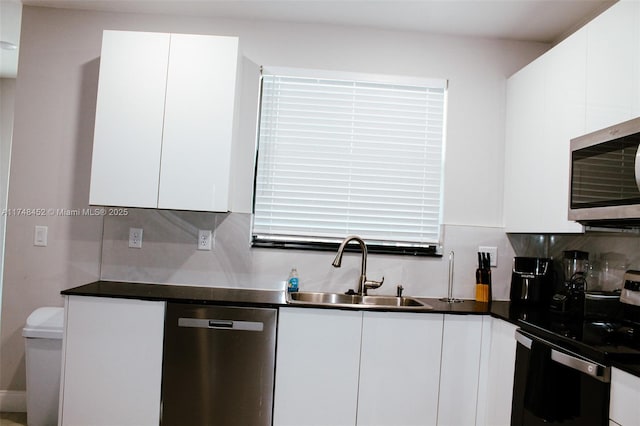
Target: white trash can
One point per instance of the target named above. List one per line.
(43, 347)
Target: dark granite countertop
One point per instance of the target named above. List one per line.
(180, 293)
(244, 297)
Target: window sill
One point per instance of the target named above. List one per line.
(430, 251)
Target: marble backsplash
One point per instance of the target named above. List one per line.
(169, 256)
(610, 253)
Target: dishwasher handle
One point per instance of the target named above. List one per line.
(597, 371)
(220, 324)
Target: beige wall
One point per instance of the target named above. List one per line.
(7, 100)
(50, 161)
(55, 97)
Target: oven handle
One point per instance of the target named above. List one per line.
(597, 371)
(637, 168)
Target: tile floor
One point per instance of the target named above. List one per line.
(13, 419)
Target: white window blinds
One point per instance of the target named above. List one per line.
(338, 157)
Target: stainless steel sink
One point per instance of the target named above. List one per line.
(392, 301)
(355, 301)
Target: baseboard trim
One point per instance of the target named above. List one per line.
(13, 401)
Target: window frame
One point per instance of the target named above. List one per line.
(434, 249)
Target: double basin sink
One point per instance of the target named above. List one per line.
(340, 300)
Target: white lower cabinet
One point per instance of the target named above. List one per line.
(318, 356)
(624, 408)
(460, 370)
(333, 367)
(501, 367)
(353, 368)
(112, 362)
(399, 369)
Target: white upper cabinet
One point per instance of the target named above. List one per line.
(522, 155)
(564, 118)
(129, 114)
(588, 81)
(164, 121)
(545, 109)
(196, 148)
(613, 75)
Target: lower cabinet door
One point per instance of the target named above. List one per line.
(399, 369)
(318, 355)
(625, 395)
(112, 362)
(502, 361)
(461, 347)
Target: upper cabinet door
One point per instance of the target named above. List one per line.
(589, 81)
(196, 149)
(164, 121)
(545, 109)
(129, 117)
(612, 66)
(524, 135)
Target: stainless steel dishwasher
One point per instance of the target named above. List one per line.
(218, 365)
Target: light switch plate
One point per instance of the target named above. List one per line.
(493, 252)
(135, 237)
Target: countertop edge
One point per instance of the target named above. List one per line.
(179, 293)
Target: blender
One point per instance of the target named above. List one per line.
(570, 296)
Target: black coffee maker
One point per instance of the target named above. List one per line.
(569, 298)
(532, 280)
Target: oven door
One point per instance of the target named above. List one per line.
(554, 386)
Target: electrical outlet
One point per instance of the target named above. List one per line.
(204, 239)
(135, 237)
(40, 236)
(493, 252)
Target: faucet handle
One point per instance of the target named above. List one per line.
(399, 290)
(371, 284)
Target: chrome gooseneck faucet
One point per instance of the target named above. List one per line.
(363, 283)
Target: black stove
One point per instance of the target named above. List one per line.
(600, 339)
(565, 352)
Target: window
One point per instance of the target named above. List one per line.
(350, 155)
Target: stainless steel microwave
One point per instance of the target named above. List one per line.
(605, 176)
